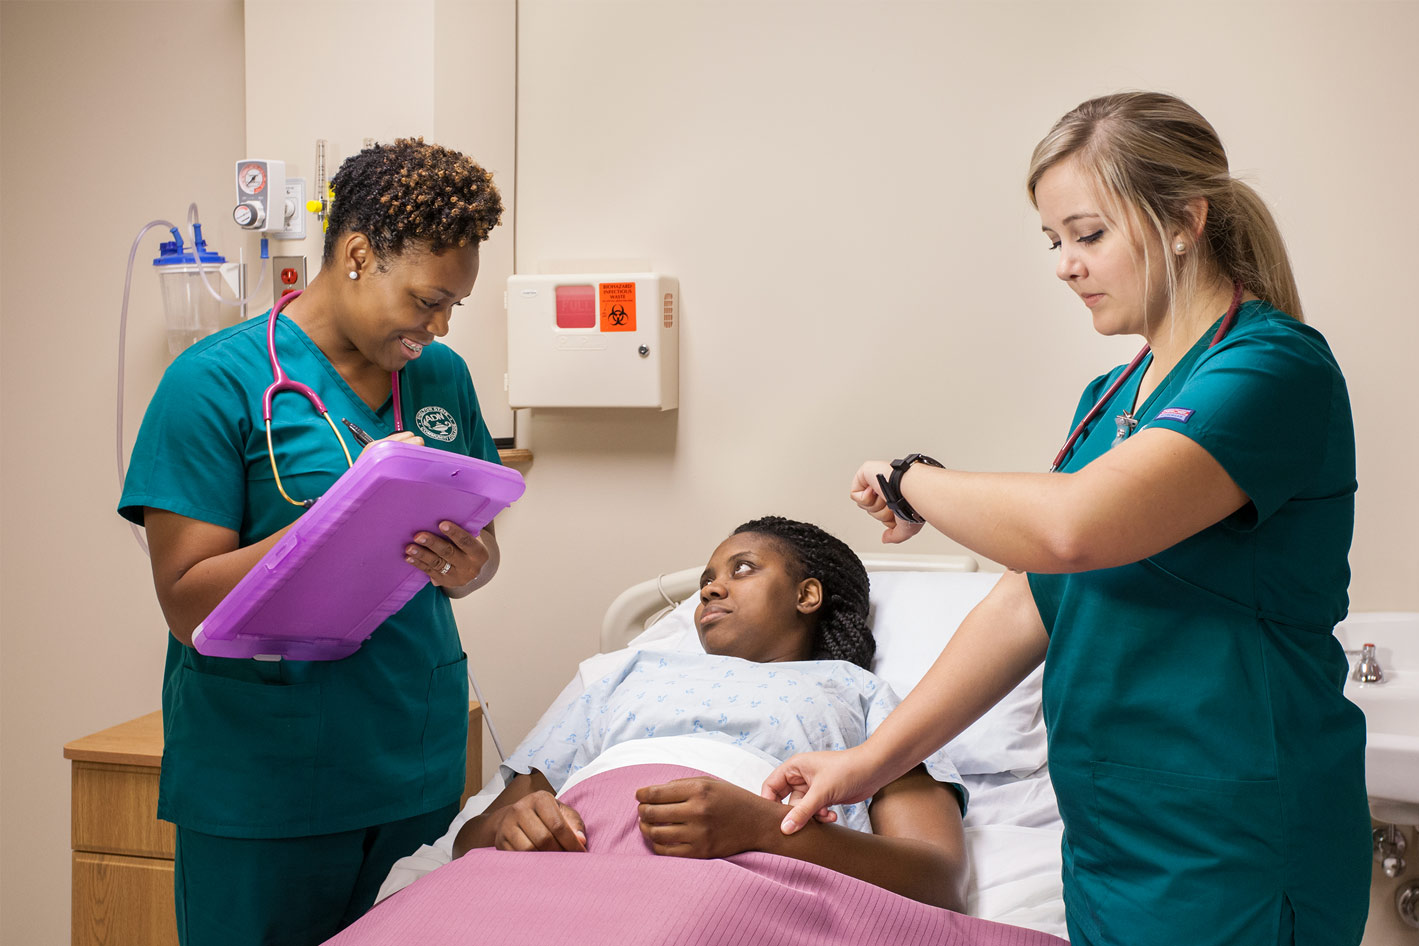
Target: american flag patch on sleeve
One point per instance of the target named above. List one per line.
(1179, 414)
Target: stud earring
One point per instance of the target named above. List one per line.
(1179, 248)
(355, 275)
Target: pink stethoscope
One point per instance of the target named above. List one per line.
(283, 383)
(1098, 408)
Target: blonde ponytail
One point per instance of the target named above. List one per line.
(1247, 244)
(1153, 157)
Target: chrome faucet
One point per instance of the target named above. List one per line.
(1389, 849)
(1367, 668)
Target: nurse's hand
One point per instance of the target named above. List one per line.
(865, 492)
(402, 436)
(538, 822)
(815, 781)
(452, 558)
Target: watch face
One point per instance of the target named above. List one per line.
(911, 458)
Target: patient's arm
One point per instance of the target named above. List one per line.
(917, 848)
(526, 816)
(998, 644)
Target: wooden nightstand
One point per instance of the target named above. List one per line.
(122, 861)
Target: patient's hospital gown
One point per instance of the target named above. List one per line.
(771, 709)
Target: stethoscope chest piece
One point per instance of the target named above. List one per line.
(1126, 422)
(1124, 425)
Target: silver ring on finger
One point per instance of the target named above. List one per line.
(446, 567)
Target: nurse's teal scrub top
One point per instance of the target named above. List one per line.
(1208, 768)
(258, 749)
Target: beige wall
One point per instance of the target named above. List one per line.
(114, 113)
(837, 186)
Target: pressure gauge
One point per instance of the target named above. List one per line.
(262, 194)
(251, 178)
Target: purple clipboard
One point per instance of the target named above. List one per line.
(321, 591)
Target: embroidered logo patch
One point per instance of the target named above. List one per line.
(1179, 414)
(437, 423)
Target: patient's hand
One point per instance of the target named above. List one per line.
(705, 817)
(538, 822)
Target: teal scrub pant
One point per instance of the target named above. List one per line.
(1285, 930)
(288, 891)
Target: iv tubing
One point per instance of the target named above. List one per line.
(492, 731)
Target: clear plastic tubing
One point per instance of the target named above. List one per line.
(122, 360)
(123, 326)
(196, 227)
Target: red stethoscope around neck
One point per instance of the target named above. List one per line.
(282, 382)
(1089, 418)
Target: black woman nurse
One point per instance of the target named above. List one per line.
(294, 785)
(1180, 575)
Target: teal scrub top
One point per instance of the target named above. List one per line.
(290, 748)
(1209, 771)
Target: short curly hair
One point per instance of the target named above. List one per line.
(409, 192)
(842, 632)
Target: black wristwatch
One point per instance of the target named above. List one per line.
(892, 488)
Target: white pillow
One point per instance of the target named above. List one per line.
(913, 615)
(674, 632)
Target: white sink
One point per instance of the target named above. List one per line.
(1391, 710)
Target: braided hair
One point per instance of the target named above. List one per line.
(842, 632)
(411, 192)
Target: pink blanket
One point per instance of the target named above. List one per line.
(620, 893)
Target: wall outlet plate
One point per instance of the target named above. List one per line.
(295, 224)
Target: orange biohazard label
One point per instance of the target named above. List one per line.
(618, 307)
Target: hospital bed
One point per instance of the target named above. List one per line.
(1012, 824)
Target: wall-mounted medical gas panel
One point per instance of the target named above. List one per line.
(602, 340)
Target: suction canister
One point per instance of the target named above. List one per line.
(190, 280)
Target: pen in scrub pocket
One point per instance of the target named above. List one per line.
(361, 437)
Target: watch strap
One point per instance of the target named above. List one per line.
(891, 487)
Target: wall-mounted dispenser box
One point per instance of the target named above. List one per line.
(593, 340)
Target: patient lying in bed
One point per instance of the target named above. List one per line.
(776, 595)
(662, 755)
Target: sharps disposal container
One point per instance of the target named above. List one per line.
(190, 310)
(593, 340)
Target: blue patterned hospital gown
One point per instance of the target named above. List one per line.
(771, 709)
